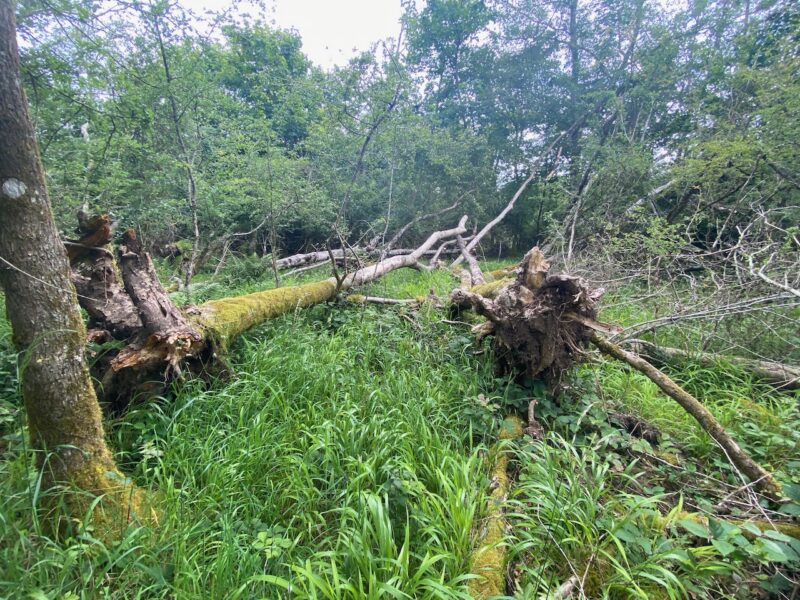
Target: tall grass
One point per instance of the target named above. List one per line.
(336, 463)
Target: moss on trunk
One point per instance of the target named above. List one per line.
(490, 558)
(225, 319)
(64, 418)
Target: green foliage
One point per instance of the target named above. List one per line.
(570, 518)
(302, 469)
(654, 238)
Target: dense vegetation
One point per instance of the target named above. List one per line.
(348, 450)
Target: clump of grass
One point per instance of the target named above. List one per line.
(570, 519)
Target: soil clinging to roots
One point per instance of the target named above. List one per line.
(541, 322)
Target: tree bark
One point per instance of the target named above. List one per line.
(64, 417)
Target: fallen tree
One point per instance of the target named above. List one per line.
(541, 323)
(126, 303)
(782, 376)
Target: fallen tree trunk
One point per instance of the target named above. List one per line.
(782, 376)
(230, 317)
(161, 339)
(490, 558)
(309, 258)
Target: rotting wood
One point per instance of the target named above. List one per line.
(167, 335)
(534, 335)
(490, 557)
(95, 274)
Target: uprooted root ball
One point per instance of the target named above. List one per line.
(538, 321)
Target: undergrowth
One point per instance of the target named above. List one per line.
(345, 458)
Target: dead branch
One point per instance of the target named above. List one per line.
(476, 276)
(402, 231)
(780, 375)
(740, 459)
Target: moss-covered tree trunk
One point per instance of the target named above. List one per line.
(165, 340)
(64, 418)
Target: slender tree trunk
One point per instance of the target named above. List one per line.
(761, 478)
(64, 417)
(191, 184)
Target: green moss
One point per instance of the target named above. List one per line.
(490, 558)
(227, 318)
(502, 273)
(490, 289)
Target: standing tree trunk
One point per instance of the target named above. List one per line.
(191, 184)
(64, 418)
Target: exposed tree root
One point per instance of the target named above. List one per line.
(541, 323)
(532, 318)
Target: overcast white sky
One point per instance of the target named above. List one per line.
(331, 29)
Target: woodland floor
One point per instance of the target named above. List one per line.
(347, 457)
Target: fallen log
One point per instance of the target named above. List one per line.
(764, 481)
(309, 258)
(489, 559)
(782, 376)
(128, 303)
(227, 318)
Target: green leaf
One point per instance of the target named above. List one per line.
(723, 547)
(695, 528)
(792, 490)
(790, 508)
(774, 551)
(777, 535)
(271, 579)
(751, 528)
